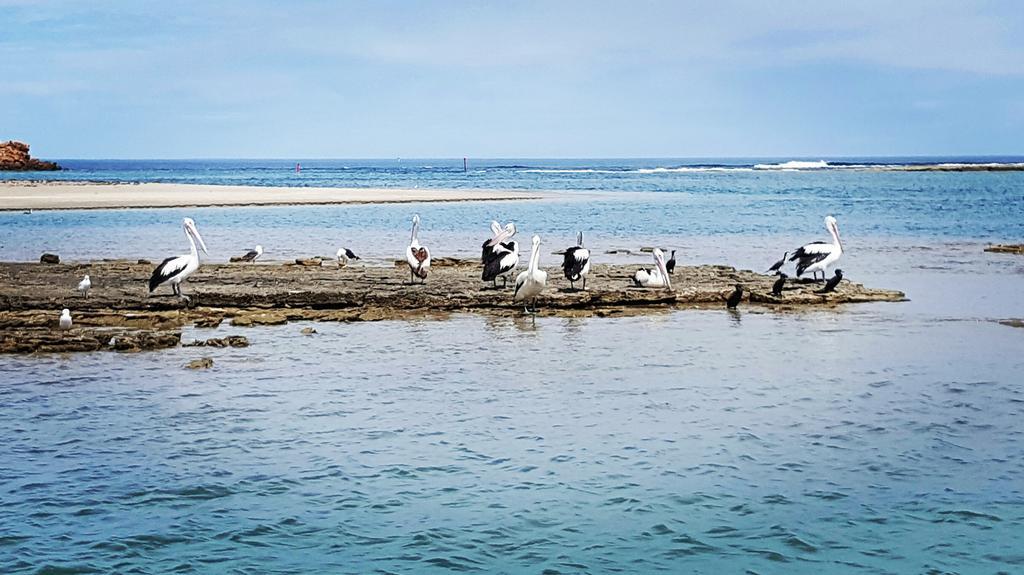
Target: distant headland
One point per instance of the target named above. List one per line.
(14, 157)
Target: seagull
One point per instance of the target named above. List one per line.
(530, 283)
(251, 255)
(65, 319)
(344, 255)
(816, 257)
(735, 297)
(177, 269)
(778, 265)
(502, 261)
(416, 255)
(657, 277)
(777, 286)
(576, 263)
(832, 282)
(670, 265)
(85, 285)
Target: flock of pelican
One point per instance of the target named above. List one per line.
(500, 258)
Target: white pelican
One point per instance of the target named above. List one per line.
(530, 283)
(576, 263)
(417, 255)
(502, 261)
(498, 236)
(177, 269)
(251, 255)
(657, 277)
(344, 256)
(85, 285)
(670, 265)
(816, 257)
(65, 319)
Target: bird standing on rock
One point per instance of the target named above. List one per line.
(345, 255)
(735, 297)
(670, 265)
(252, 255)
(832, 282)
(778, 265)
(65, 319)
(777, 286)
(417, 256)
(85, 285)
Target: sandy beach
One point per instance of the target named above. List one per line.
(16, 195)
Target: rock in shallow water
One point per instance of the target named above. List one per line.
(49, 258)
(201, 363)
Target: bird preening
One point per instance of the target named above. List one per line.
(833, 281)
(417, 256)
(576, 263)
(656, 277)
(177, 269)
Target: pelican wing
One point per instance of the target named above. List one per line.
(574, 261)
(499, 263)
(810, 254)
(520, 282)
(167, 270)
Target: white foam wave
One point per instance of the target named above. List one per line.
(793, 165)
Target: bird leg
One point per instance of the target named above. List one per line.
(584, 284)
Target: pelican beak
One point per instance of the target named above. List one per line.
(500, 237)
(664, 273)
(199, 238)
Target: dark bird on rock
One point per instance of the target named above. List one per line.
(777, 286)
(832, 282)
(670, 265)
(778, 265)
(735, 297)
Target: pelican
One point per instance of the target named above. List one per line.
(832, 282)
(65, 319)
(576, 263)
(344, 256)
(530, 283)
(251, 255)
(177, 269)
(816, 257)
(735, 297)
(778, 265)
(657, 277)
(498, 237)
(85, 285)
(503, 260)
(670, 265)
(417, 255)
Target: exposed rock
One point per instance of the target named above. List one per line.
(30, 293)
(201, 363)
(308, 331)
(1006, 249)
(49, 259)
(310, 262)
(1012, 322)
(229, 341)
(44, 340)
(14, 157)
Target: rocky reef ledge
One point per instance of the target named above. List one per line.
(14, 157)
(119, 308)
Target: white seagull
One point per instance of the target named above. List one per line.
(344, 256)
(85, 285)
(65, 319)
(576, 263)
(253, 254)
(657, 277)
(502, 261)
(177, 269)
(417, 255)
(817, 257)
(530, 283)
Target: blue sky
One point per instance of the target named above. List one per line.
(149, 79)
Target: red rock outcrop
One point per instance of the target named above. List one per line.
(14, 156)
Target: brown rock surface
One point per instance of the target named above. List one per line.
(14, 157)
(31, 295)
(1006, 249)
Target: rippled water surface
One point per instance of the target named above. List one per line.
(880, 438)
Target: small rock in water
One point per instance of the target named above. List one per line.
(310, 262)
(49, 258)
(202, 363)
(308, 331)
(145, 262)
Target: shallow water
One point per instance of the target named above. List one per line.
(881, 438)
(841, 442)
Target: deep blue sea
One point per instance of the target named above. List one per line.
(867, 439)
